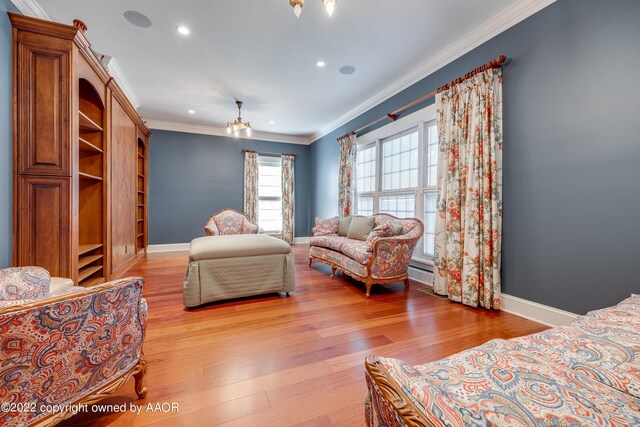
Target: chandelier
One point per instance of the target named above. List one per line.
(297, 6)
(238, 124)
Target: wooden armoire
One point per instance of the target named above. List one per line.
(80, 158)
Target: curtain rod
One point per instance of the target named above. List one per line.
(269, 152)
(500, 61)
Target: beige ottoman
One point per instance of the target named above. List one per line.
(225, 267)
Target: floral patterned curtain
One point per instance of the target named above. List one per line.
(288, 199)
(347, 167)
(469, 220)
(251, 174)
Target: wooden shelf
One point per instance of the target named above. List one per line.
(140, 176)
(140, 206)
(84, 261)
(83, 249)
(86, 124)
(87, 176)
(140, 192)
(141, 156)
(140, 235)
(141, 220)
(88, 147)
(84, 273)
(93, 282)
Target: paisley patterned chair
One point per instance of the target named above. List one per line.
(583, 374)
(229, 221)
(73, 348)
(384, 258)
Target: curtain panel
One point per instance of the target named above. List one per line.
(251, 174)
(347, 167)
(469, 194)
(288, 199)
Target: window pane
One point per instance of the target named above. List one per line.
(429, 223)
(399, 161)
(401, 205)
(366, 169)
(431, 164)
(365, 205)
(269, 194)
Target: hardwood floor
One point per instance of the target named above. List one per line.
(285, 361)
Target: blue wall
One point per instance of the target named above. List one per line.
(194, 176)
(6, 150)
(571, 152)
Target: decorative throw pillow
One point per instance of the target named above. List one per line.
(383, 230)
(326, 226)
(343, 226)
(361, 227)
(396, 226)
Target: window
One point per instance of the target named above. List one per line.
(269, 195)
(396, 173)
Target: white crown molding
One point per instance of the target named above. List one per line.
(221, 131)
(501, 22)
(31, 8)
(118, 76)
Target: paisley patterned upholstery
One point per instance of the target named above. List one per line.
(383, 258)
(358, 250)
(326, 227)
(333, 241)
(23, 283)
(586, 373)
(58, 351)
(229, 222)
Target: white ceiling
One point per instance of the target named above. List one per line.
(258, 52)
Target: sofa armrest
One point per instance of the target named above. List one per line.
(211, 229)
(24, 283)
(249, 228)
(62, 349)
(391, 257)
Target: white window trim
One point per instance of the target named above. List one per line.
(266, 160)
(417, 119)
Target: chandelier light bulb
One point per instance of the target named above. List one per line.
(236, 134)
(330, 5)
(228, 130)
(249, 132)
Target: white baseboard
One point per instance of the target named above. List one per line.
(549, 316)
(301, 240)
(421, 276)
(173, 247)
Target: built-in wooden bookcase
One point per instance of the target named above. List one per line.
(91, 191)
(141, 226)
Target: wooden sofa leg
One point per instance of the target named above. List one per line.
(333, 271)
(141, 390)
(406, 283)
(310, 261)
(368, 285)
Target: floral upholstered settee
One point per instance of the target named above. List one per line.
(229, 221)
(383, 258)
(584, 374)
(62, 350)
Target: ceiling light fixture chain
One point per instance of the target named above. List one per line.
(236, 126)
(297, 6)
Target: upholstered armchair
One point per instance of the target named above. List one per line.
(62, 350)
(229, 221)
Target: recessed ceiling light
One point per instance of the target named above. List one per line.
(321, 64)
(183, 30)
(271, 122)
(192, 112)
(348, 69)
(137, 19)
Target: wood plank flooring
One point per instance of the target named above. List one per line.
(286, 361)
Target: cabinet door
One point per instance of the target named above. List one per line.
(123, 186)
(43, 218)
(44, 112)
